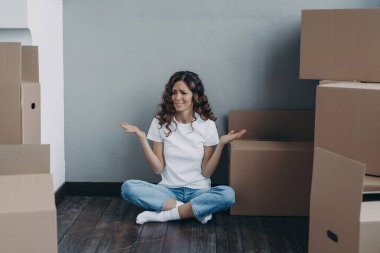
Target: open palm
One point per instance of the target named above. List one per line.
(128, 128)
(231, 136)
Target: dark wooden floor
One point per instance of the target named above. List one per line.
(107, 224)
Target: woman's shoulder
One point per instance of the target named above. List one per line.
(204, 121)
(155, 122)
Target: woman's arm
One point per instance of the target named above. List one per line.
(211, 157)
(155, 157)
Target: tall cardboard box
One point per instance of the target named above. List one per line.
(339, 221)
(340, 45)
(27, 211)
(270, 170)
(347, 122)
(20, 112)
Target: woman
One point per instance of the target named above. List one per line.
(184, 134)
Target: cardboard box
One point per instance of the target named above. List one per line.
(27, 212)
(339, 220)
(271, 177)
(20, 112)
(340, 45)
(348, 122)
(24, 159)
(273, 125)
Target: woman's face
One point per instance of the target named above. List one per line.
(182, 97)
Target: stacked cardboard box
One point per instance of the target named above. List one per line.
(27, 210)
(348, 122)
(340, 45)
(20, 112)
(270, 170)
(344, 45)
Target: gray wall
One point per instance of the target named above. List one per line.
(119, 54)
(16, 34)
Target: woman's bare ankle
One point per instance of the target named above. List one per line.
(169, 204)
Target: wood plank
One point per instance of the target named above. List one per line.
(300, 230)
(177, 237)
(228, 238)
(76, 237)
(101, 237)
(99, 224)
(253, 234)
(279, 236)
(202, 236)
(72, 203)
(152, 237)
(128, 232)
(67, 212)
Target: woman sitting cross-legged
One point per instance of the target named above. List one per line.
(184, 137)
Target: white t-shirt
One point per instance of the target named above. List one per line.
(184, 150)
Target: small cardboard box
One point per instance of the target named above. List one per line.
(340, 45)
(20, 112)
(339, 220)
(27, 212)
(348, 122)
(271, 178)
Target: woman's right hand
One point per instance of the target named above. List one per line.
(128, 128)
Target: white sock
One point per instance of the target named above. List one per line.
(205, 219)
(149, 216)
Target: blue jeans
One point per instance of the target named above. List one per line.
(153, 197)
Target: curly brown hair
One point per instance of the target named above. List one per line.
(200, 102)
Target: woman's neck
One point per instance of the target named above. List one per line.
(184, 117)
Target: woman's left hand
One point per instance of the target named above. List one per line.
(231, 136)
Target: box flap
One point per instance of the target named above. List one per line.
(24, 159)
(336, 195)
(273, 125)
(340, 44)
(26, 193)
(352, 85)
(10, 63)
(30, 64)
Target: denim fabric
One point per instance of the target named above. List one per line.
(203, 201)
